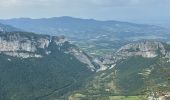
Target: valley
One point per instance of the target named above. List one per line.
(105, 65)
(84, 50)
(135, 77)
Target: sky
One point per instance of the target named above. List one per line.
(124, 10)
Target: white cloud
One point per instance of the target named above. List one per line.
(108, 9)
(7, 3)
(11, 3)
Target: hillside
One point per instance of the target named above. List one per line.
(44, 67)
(35, 67)
(132, 75)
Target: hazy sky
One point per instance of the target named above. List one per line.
(99, 9)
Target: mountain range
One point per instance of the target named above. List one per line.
(93, 36)
(8, 28)
(38, 66)
(88, 28)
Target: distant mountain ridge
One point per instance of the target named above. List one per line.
(7, 28)
(86, 28)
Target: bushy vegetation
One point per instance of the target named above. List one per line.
(40, 78)
(131, 79)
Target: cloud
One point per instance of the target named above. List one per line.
(7, 3)
(101, 9)
(11, 3)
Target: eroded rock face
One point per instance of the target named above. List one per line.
(82, 57)
(16, 42)
(22, 45)
(59, 40)
(93, 64)
(43, 42)
(147, 49)
(29, 45)
(23, 55)
(25, 45)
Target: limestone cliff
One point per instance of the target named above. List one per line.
(30, 45)
(146, 49)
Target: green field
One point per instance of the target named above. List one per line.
(95, 97)
(125, 98)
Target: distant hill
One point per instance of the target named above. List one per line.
(88, 28)
(8, 28)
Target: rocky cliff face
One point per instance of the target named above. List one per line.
(39, 66)
(29, 45)
(137, 68)
(22, 45)
(146, 49)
